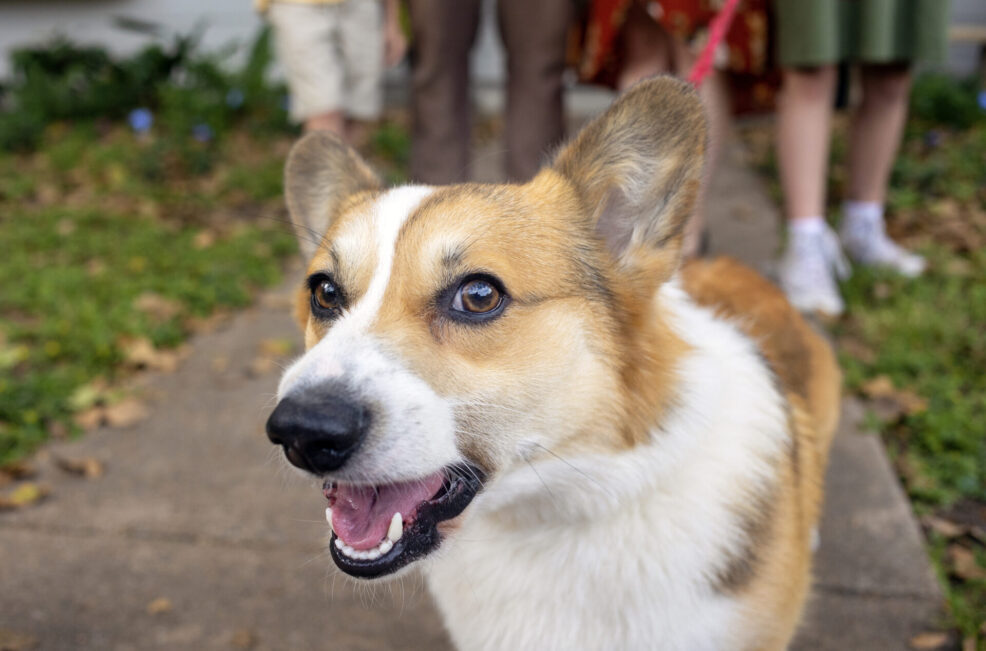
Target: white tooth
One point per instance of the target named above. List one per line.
(386, 546)
(396, 528)
(339, 543)
(373, 555)
(348, 551)
(328, 516)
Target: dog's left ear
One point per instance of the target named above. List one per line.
(637, 169)
(320, 173)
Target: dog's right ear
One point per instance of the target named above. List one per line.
(320, 173)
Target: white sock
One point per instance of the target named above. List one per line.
(862, 212)
(805, 226)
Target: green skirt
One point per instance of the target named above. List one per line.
(818, 32)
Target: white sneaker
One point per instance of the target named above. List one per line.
(809, 268)
(866, 241)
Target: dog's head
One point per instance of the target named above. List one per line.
(457, 333)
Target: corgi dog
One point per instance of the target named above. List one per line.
(517, 389)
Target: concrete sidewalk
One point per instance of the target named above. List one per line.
(196, 538)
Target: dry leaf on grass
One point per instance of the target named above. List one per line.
(929, 641)
(87, 467)
(891, 403)
(23, 495)
(204, 239)
(157, 307)
(964, 564)
(159, 606)
(856, 349)
(16, 641)
(943, 527)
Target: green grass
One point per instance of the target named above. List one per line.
(88, 226)
(927, 335)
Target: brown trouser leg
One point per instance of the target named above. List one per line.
(443, 33)
(534, 33)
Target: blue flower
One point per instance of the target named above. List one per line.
(234, 98)
(932, 139)
(982, 99)
(140, 120)
(202, 132)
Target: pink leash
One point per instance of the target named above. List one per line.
(717, 31)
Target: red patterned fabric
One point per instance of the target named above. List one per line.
(744, 53)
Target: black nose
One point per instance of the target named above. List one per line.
(319, 430)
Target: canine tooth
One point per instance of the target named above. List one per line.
(328, 515)
(396, 528)
(386, 546)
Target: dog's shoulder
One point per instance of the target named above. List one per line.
(800, 357)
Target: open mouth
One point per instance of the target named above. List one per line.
(377, 530)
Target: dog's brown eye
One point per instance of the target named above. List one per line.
(325, 296)
(477, 297)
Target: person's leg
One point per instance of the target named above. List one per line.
(362, 45)
(874, 138)
(535, 35)
(646, 49)
(305, 38)
(443, 32)
(812, 257)
(804, 121)
(714, 92)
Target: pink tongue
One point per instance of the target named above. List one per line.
(361, 515)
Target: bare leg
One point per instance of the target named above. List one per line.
(812, 258)
(334, 121)
(647, 49)
(804, 120)
(874, 139)
(876, 130)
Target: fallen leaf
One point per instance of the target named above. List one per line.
(159, 606)
(88, 395)
(261, 366)
(856, 349)
(20, 470)
(15, 641)
(276, 347)
(204, 239)
(220, 363)
(125, 413)
(928, 641)
(964, 564)
(943, 527)
(24, 495)
(90, 418)
(157, 307)
(910, 402)
(244, 639)
(141, 354)
(87, 467)
(880, 386)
